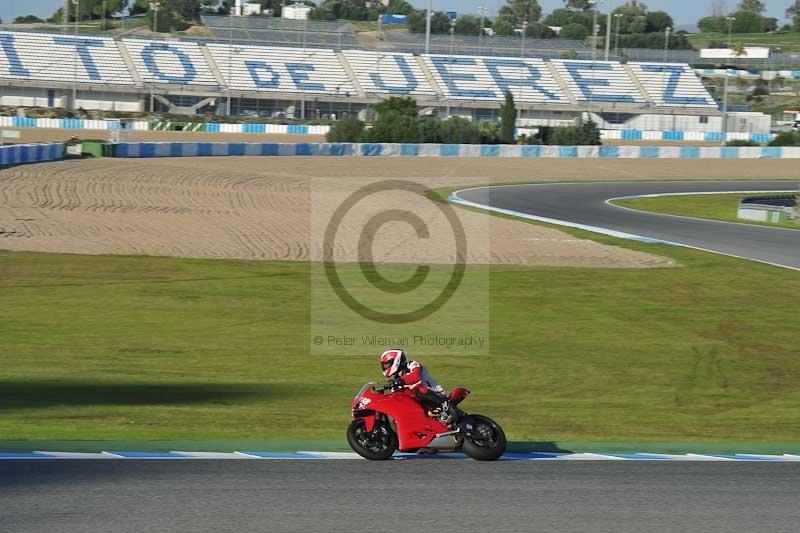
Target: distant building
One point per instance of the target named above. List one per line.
(296, 11)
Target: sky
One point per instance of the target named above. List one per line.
(683, 11)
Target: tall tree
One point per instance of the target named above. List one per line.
(752, 6)
(508, 119)
(579, 5)
(793, 12)
(522, 10)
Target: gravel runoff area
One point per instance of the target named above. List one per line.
(276, 208)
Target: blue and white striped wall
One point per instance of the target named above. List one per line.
(672, 136)
(695, 136)
(137, 150)
(296, 129)
(282, 129)
(144, 125)
(30, 153)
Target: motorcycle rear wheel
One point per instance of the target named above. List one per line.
(486, 441)
(379, 445)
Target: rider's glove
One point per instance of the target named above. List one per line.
(398, 384)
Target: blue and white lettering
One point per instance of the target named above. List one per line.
(298, 73)
(675, 72)
(15, 65)
(149, 58)
(254, 67)
(411, 81)
(82, 47)
(450, 78)
(505, 84)
(586, 84)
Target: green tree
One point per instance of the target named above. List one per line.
(579, 5)
(399, 7)
(503, 27)
(468, 25)
(589, 134)
(752, 6)
(711, 24)
(346, 130)
(540, 31)
(440, 22)
(633, 17)
(787, 138)
(579, 32)
(519, 11)
(793, 13)
(561, 17)
(404, 105)
(508, 119)
(658, 21)
(28, 19)
(747, 22)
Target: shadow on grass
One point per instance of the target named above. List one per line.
(44, 394)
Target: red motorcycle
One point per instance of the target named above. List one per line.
(387, 420)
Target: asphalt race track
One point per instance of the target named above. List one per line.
(409, 495)
(585, 204)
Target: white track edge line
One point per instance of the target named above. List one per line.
(454, 198)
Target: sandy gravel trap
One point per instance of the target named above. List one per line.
(280, 209)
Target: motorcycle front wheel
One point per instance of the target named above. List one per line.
(486, 441)
(377, 445)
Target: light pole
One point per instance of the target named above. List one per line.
(617, 16)
(730, 20)
(428, 14)
(522, 44)
(666, 42)
(77, 4)
(482, 11)
(594, 28)
(452, 39)
(154, 7)
(608, 33)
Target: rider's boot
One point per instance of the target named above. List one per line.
(450, 414)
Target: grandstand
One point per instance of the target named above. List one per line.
(141, 74)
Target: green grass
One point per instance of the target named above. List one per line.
(722, 207)
(141, 348)
(787, 42)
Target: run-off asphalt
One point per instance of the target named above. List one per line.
(412, 495)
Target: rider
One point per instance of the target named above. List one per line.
(412, 375)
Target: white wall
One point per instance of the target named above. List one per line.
(110, 102)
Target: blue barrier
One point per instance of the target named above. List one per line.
(30, 153)
(136, 150)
